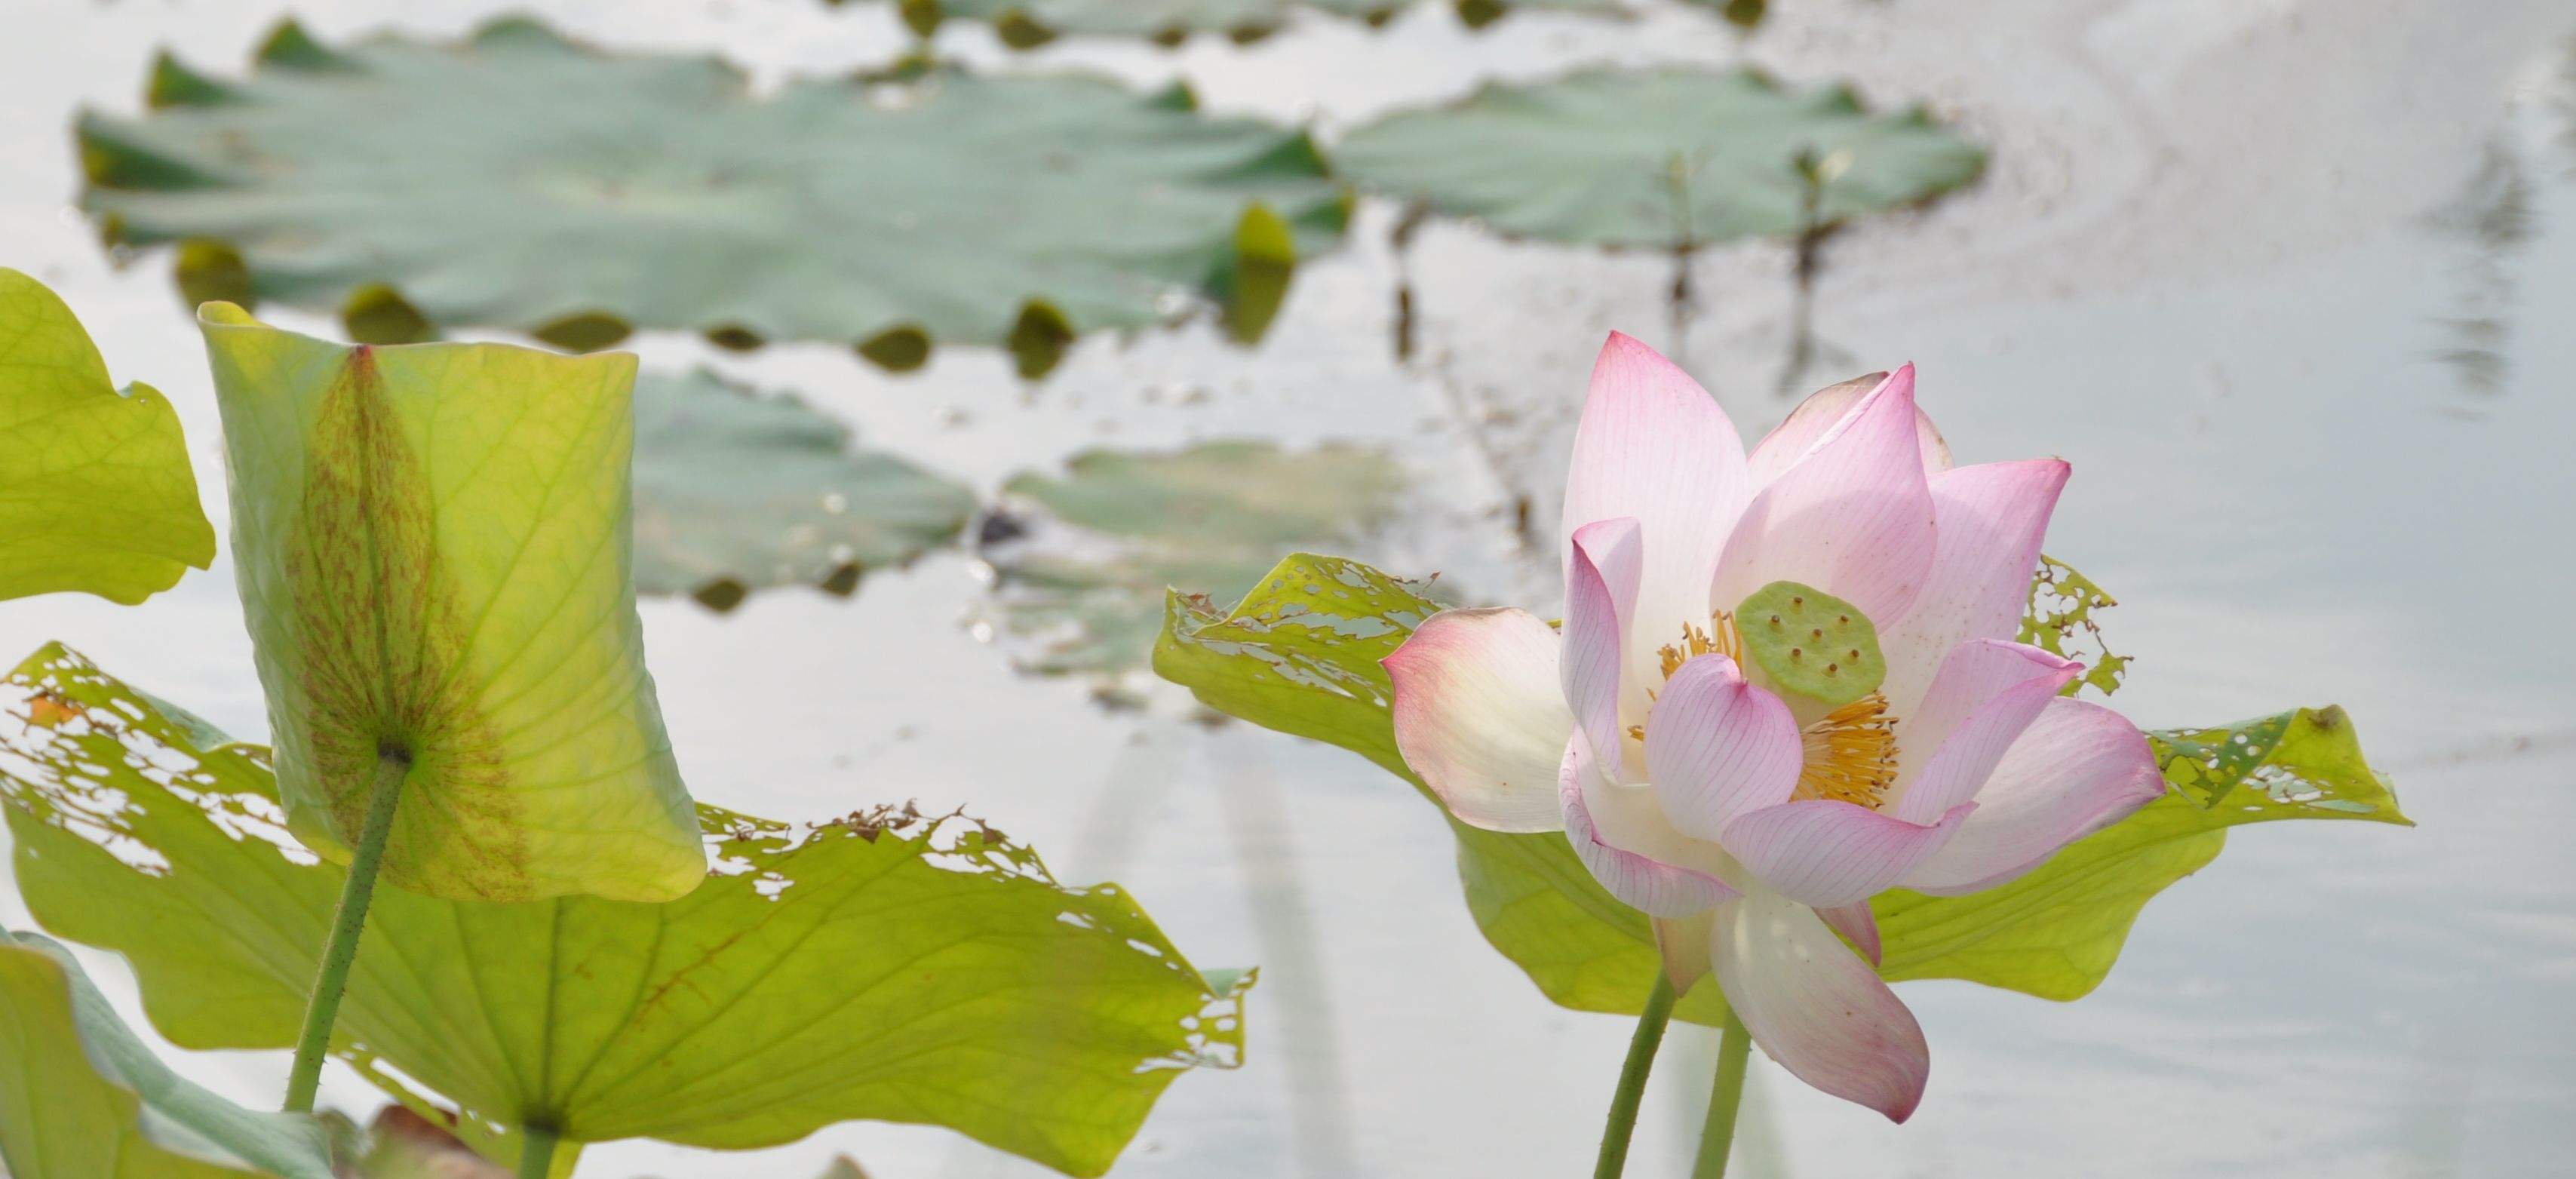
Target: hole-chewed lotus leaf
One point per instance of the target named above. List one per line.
(434, 544)
(1670, 158)
(519, 180)
(889, 964)
(1301, 654)
(83, 1096)
(735, 491)
(96, 493)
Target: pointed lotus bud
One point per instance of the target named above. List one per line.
(434, 547)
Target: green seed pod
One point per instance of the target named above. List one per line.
(1810, 643)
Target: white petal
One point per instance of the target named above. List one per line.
(1815, 1007)
(1479, 716)
(1718, 746)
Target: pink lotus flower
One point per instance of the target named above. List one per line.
(1708, 771)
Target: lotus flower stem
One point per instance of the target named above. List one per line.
(1717, 1134)
(1632, 1079)
(348, 922)
(537, 1150)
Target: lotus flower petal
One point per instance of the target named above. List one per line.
(1653, 445)
(2079, 768)
(1718, 746)
(1824, 852)
(1818, 415)
(1816, 1007)
(1479, 715)
(1985, 694)
(1626, 844)
(1852, 518)
(1988, 520)
(1600, 591)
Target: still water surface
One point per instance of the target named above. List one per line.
(2288, 281)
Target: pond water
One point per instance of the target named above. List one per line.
(2288, 281)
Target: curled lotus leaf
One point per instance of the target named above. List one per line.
(520, 180)
(96, 493)
(434, 546)
(82, 1096)
(1670, 158)
(1300, 654)
(888, 964)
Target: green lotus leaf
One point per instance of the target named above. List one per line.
(434, 546)
(1026, 24)
(96, 494)
(1666, 159)
(1093, 551)
(2060, 620)
(519, 180)
(1300, 654)
(736, 491)
(83, 1098)
(884, 965)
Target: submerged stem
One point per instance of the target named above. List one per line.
(1717, 1134)
(348, 922)
(537, 1150)
(1632, 1079)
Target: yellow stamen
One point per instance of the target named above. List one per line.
(1719, 639)
(1851, 754)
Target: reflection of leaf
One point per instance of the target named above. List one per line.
(1670, 158)
(519, 180)
(95, 490)
(1300, 655)
(2062, 602)
(433, 547)
(1104, 541)
(884, 965)
(82, 1097)
(735, 491)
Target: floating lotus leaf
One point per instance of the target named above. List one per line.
(885, 965)
(735, 491)
(96, 494)
(519, 180)
(82, 1098)
(1300, 654)
(434, 545)
(1667, 159)
(1027, 24)
(1096, 549)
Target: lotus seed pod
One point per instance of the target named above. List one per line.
(1810, 643)
(435, 549)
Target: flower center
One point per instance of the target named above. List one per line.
(1850, 751)
(1719, 639)
(1851, 754)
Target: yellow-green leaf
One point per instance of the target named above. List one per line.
(82, 1098)
(96, 494)
(887, 964)
(435, 549)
